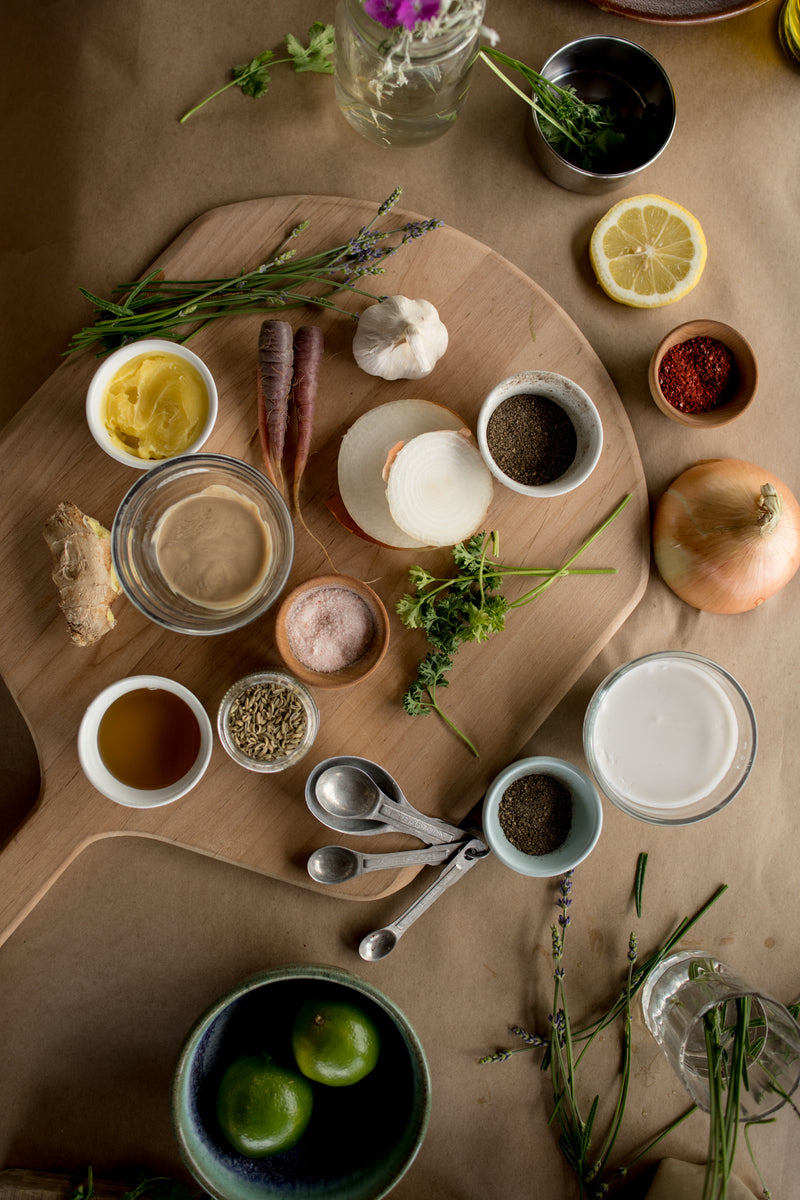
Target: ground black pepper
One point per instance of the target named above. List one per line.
(535, 813)
(531, 439)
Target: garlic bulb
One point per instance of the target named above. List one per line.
(399, 338)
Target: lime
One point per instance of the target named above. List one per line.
(262, 1108)
(334, 1042)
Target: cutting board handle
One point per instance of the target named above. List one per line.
(51, 837)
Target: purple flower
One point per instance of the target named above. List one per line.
(383, 11)
(392, 13)
(411, 11)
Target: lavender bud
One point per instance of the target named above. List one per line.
(390, 201)
(632, 947)
(499, 1056)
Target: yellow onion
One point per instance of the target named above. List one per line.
(726, 535)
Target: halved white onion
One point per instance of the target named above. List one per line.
(439, 488)
(363, 454)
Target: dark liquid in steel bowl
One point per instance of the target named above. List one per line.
(641, 122)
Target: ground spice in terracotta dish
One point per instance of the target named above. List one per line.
(531, 439)
(697, 375)
(329, 628)
(535, 813)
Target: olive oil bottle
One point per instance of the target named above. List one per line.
(789, 29)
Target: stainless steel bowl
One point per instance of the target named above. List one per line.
(608, 70)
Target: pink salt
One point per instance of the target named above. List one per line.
(329, 628)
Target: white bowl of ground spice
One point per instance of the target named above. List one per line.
(539, 434)
(542, 816)
(332, 631)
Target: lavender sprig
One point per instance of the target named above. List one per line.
(179, 309)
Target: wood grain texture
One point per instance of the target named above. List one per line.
(18, 1184)
(499, 322)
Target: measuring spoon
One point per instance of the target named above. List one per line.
(337, 864)
(348, 793)
(383, 941)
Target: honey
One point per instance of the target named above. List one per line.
(148, 738)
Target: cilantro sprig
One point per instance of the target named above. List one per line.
(254, 78)
(468, 606)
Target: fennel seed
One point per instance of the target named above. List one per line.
(267, 721)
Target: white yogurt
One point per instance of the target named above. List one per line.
(665, 734)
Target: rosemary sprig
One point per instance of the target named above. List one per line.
(727, 1066)
(179, 309)
(638, 883)
(468, 606)
(735, 1033)
(562, 1056)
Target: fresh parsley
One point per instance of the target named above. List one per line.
(588, 134)
(468, 606)
(253, 78)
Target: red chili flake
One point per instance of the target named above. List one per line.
(697, 375)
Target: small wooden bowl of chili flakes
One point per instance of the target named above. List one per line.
(703, 374)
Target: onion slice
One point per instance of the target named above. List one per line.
(363, 454)
(726, 535)
(439, 488)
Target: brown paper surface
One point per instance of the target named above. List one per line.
(104, 978)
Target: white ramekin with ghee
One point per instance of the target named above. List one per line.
(151, 401)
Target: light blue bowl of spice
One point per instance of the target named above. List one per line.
(542, 816)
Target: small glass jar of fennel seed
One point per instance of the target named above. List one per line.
(267, 721)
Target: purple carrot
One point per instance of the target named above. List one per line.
(274, 385)
(308, 347)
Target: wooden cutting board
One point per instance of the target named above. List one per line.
(499, 322)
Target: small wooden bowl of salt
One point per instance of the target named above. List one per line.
(332, 631)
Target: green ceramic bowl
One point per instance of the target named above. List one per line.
(361, 1139)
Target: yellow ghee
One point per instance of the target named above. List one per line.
(155, 406)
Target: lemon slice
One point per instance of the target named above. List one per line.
(647, 251)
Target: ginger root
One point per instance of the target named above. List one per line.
(83, 572)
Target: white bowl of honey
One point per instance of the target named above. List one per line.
(145, 741)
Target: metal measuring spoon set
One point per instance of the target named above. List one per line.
(355, 796)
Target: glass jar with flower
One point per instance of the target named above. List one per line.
(403, 66)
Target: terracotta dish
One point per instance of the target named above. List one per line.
(346, 675)
(677, 12)
(740, 398)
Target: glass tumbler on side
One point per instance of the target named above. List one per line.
(400, 87)
(690, 986)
